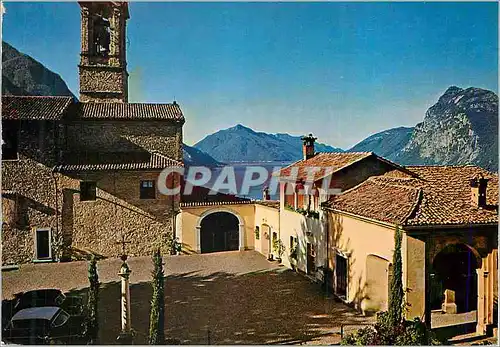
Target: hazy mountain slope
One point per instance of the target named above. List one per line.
(241, 143)
(23, 75)
(193, 156)
(385, 143)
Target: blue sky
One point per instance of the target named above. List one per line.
(342, 71)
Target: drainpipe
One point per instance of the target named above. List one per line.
(56, 207)
(55, 139)
(326, 272)
(173, 251)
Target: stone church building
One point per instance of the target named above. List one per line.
(80, 175)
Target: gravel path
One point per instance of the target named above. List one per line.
(219, 298)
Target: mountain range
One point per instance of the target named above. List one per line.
(242, 144)
(460, 128)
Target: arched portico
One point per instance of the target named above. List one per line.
(211, 212)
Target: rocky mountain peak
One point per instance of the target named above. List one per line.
(461, 128)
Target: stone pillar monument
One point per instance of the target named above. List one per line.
(449, 305)
(125, 337)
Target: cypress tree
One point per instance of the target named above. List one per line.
(157, 314)
(91, 321)
(396, 295)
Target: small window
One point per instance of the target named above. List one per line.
(147, 190)
(61, 319)
(87, 191)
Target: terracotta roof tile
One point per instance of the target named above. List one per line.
(447, 196)
(120, 161)
(440, 196)
(381, 200)
(35, 107)
(129, 111)
(269, 203)
(202, 196)
(327, 162)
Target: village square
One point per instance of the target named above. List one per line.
(96, 205)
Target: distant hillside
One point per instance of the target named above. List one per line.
(241, 143)
(385, 143)
(23, 75)
(460, 129)
(193, 156)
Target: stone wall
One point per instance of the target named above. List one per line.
(37, 139)
(125, 136)
(31, 201)
(101, 80)
(96, 226)
(34, 201)
(42, 201)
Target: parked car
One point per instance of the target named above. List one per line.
(44, 325)
(49, 297)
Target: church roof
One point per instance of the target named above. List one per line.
(128, 111)
(120, 161)
(35, 107)
(441, 195)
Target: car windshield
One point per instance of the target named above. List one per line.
(60, 319)
(30, 324)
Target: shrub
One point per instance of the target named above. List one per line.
(157, 314)
(91, 322)
(279, 247)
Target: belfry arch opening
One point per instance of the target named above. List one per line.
(219, 232)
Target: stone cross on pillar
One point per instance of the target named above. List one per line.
(125, 336)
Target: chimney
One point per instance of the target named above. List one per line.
(478, 191)
(308, 146)
(265, 194)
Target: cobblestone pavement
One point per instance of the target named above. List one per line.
(219, 298)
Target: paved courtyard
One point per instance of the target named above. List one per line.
(219, 298)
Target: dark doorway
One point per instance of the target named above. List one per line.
(311, 259)
(341, 276)
(455, 269)
(219, 232)
(43, 243)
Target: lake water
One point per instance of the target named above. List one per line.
(240, 168)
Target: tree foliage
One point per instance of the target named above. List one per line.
(396, 297)
(157, 314)
(91, 328)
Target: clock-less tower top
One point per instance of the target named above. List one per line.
(103, 63)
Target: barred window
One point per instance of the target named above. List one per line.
(87, 191)
(147, 190)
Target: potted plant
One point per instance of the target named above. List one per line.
(279, 248)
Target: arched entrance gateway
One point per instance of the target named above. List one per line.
(219, 231)
(454, 283)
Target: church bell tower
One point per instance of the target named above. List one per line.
(103, 63)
